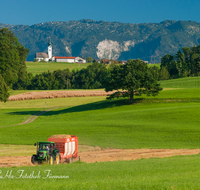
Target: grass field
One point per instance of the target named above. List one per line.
(170, 120)
(156, 64)
(166, 125)
(189, 82)
(39, 67)
(7, 119)
(181, 172)
(153, 123)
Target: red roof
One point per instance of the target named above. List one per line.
(56, 57)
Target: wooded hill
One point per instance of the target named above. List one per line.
(99, 39)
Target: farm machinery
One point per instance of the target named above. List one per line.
(57, 149)
(46, 151)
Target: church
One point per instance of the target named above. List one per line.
(42, 56)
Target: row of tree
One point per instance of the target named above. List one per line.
(185, 63)
(87, 78)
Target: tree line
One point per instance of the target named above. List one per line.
(185, 63)
(87, 78)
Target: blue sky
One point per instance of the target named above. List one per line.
(29, 12)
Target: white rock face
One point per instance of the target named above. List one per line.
(127, 44)
(67, 49)
(112, 49)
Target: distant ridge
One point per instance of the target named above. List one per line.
(113, 40)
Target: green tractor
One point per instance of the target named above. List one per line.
(46, 152)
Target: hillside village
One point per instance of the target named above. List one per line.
(43, 56)
(48, 57)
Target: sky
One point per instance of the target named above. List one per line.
(30, 12)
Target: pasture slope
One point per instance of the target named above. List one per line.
(168, 121)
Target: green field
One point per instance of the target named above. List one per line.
(189, 82)
(112, 125)
(169, 120)
(39, 67)
(180, 172)
(156, 64)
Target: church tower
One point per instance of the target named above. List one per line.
(49, 49)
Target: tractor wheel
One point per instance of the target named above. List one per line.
(51, 160)
(33, 159)
(57, 159)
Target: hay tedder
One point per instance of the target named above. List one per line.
(57, 149)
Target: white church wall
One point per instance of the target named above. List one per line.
(50, 52)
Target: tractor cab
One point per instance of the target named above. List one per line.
(46, 146)
(46, 151)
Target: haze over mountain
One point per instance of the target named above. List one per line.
(113, 40)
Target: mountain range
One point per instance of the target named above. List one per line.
(112, 40)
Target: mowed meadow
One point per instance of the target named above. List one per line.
(40, 67)
(169, 120)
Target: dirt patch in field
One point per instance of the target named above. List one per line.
(132, 154)
(57, 94)
(98, 155)
(12, 161)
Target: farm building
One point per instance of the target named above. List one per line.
(40, 56)
(43, 56)
(64, 59)
(80, 59)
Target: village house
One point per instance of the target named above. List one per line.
(64, 59)
(43, 56)
(80, 59)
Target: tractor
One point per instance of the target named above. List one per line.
(46, 152)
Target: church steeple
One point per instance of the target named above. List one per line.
(49, 41)
(49, 49)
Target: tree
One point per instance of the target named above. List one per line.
(134, 78)
(12, 58)
(155, 71)
(90, 77)
(89, 59)
(3, 90)
(63, 77)
(164, 74)
(170, 64)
